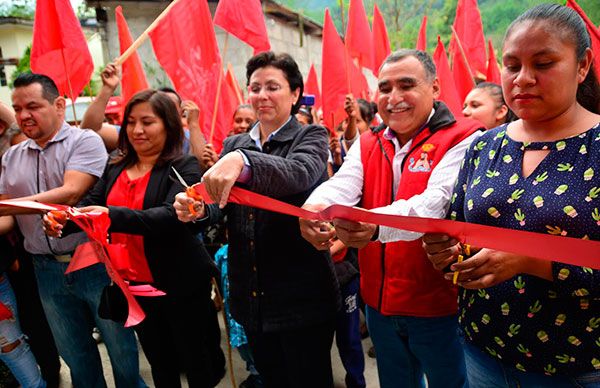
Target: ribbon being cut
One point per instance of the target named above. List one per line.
(568, 250)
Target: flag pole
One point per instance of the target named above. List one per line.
(62, 51)
(218, 94)
(145, 35)
(462, 52)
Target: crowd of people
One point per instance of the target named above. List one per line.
(523, 156)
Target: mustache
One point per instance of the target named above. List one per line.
(400, 105)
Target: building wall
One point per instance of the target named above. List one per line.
(14, 39)
(140, 14)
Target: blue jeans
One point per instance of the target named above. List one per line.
(410, 348)
(71, 302)
(347, 336)
(20, 360)
(487, 372)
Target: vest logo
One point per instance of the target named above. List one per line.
(423, 164)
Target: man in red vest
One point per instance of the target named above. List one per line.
(406, 166)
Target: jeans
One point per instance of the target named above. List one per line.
(347, 336)
(410, 348)
(71, 302)
(486, 372)
(20, 360)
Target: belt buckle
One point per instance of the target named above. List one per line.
(64, 258)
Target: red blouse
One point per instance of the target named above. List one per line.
(130, 193)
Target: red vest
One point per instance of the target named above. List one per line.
(397, 278)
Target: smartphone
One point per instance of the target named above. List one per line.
(308, 100)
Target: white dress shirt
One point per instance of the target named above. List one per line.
(345, 187)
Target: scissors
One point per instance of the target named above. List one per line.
(189, 191)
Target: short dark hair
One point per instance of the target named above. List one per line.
(305, 111)
(366, 110)
(242, 106)
(567, 22)
(166, 89)
(283, 62)
(49, 89)
(495, 92)
(421, 56)
(165, 109)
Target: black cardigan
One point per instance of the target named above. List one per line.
(277, 280)
(176, 258)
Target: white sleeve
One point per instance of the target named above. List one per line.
(345, 187)
(434, 201)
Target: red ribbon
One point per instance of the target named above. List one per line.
(567, 250)
(97, 250)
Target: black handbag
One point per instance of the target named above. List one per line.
(113, 304)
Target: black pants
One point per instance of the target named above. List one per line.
(33, 320)
(297, 358)
(182, 325)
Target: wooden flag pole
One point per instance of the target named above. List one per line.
(462, 52)
(218, 94)
(145, 35)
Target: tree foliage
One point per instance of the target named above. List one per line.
(403, 17)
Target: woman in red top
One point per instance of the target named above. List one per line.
(137, 190)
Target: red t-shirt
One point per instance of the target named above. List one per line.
(130, 193)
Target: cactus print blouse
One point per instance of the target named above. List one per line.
(527, 322)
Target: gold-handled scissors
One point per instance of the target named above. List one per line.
(189, 191)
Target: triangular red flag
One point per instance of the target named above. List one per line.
(334, 76)
(133, 77)
(358, 35)
(230, 99)
(469, 30)
(245, 22)
(358, 83)
(448, 92)
(233, 84)
(592, 30)
(461, 73)
(185, 45)
(59, 48)
(381, 42)
(422, 38)
(311, 86)
(493, 69)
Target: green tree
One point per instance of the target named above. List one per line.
(24, 65)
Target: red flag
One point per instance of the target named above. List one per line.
(245, 22)
(461, 72)
(493, 70)
(448, 92)
(59, 49)
(133, 79)
(230, 99)
(185, 45)
(311, 86)
(592, 30)
(422, 38)
(358, 35)
(381, 42)
(234, 85)
(337, 76)
(469, 30)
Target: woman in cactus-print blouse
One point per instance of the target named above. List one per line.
(536, 322)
